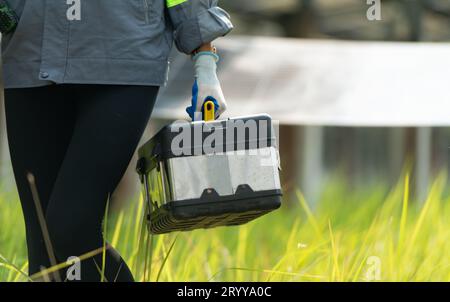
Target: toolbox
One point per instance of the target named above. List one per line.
(206, 174)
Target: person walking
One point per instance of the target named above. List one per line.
(81, 80)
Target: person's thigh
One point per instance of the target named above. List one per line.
(40, 122)
(110, 123)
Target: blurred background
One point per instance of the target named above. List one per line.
(402, 20)
(358, 98)
(363, 154)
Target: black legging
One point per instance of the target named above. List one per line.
(77, 141)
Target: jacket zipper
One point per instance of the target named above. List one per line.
(146, 11)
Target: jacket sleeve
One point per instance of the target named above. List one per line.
(197, 22)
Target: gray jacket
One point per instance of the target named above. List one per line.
(114, 42)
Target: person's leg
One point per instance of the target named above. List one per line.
(109, 125)
(39, 125)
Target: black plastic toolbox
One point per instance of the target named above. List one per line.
(191, 181)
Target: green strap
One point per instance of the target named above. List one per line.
(172, 3)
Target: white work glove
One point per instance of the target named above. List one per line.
(206, 86)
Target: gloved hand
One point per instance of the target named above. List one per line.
(206, 86)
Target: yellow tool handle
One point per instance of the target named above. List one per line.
(209, 113)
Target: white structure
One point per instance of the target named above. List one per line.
(308, 82)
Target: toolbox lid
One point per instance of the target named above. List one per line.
(184, 138)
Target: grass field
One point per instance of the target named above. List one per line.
(354, 234)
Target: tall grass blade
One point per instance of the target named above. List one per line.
(165, 259)
(43, 224)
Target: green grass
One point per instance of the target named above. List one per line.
(352, 232)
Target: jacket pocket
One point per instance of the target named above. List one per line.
(153, 11)
(147, 10)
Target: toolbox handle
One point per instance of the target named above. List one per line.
(209, 110)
